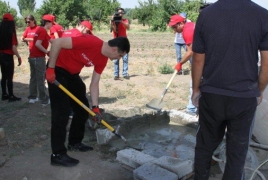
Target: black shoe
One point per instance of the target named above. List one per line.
(13, 98)
(63, 160)
(126, 77)
(79, 147)
(116, 78)
(5, 97)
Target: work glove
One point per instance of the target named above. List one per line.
(19, 61)
(97, 118)
(50, 75)
(178, 67)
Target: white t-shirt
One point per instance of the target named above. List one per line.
(178, 36)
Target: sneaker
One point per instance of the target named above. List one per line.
(32, 101)
(63, 160)
(79, 147)
(45, 104)
(116, 78)
(13, 98)
(5, 97)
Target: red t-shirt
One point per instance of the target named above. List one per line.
(86, 51)
(56, 28)
(40, 34)
(71, 33)
(188, 32)
(122, 31)
(30, 33)
(14, 42)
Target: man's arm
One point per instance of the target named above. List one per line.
(94, 88)
(188, 54)
(56, 46)
(263, 78)
(125, 23)
(197, 71)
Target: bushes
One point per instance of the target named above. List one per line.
(165, 69)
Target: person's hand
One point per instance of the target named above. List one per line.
(195, 98)
(19, 61)
(178, 67)
(48, 53)
(97, 118)
(50, 75)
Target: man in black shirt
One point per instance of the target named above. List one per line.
(226, 84)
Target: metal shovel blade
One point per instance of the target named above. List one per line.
(156, 104)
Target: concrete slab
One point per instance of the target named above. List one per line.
(133, 158)
(175, 165)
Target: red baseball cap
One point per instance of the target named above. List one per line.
(49, 17)
(175, 19)
(8, 17)
(88, 25)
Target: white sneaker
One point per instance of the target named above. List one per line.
(32, 101)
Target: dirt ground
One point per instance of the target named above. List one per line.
(25, 150)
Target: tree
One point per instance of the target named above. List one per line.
(144, 13)
(26, 5)
(67, 12)
(100, 11)
(5, 7)
(164, 10)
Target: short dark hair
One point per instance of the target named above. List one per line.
(122, 43)
(119, 8)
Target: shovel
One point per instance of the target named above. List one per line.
(158, 104)
(88, 110)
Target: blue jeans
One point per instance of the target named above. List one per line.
(190, 107)
(178, 47)
(125, 66)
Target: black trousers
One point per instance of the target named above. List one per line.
(60, 110)
(216, 113)
(7, 70)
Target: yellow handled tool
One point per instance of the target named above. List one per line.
(88, 110)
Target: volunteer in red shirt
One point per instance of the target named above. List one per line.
(67, 58)
(56, 30)
(180, 25)
(37, 61)
(8, 48)
(119, 28)
(85, 27)
(29, 32)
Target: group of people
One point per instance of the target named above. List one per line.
(69, 52)
(226, 84)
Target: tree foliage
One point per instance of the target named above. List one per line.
(165, 9)
(154, 13)
(100, 11)
(5, 7)
(25, 5)
(144, 13)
